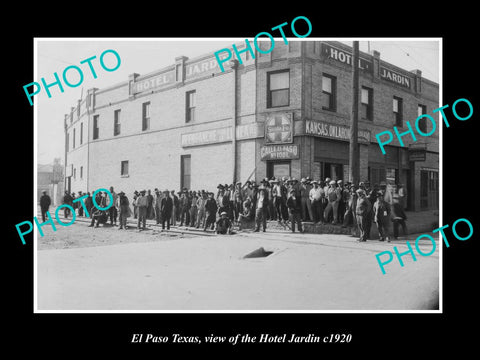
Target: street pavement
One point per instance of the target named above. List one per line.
(305, 272)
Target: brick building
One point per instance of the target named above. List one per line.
(285, 113)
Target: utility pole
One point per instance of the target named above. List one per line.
(354, 161)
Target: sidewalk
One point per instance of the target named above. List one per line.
(417, 222)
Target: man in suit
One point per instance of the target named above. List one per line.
(261, 209)
(44, 204)
(166, 208)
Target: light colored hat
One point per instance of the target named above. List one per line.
(360, 191)
(223, 213)
(340, 182)
(332, 182)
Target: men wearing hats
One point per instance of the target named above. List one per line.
(261, 209)
(363, 208)
(332, 206)
(184, 207)
(223, 225)
(237, 200)
(99, 216)
(124, 210)
(210, 211)
(45, 202)
(150, 210)
(316, 196)
(381, 216)
(340, 201)
(166, 207)
(142, 205)
(351, 206)
(80, 207)
(89, 204)
(201, 202)
(294, 211)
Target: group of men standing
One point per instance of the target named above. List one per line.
(286, 200)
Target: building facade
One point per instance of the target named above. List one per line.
(285, 113)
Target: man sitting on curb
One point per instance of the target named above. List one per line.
(224, 225)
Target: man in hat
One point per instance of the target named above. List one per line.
(316, 196)
(80, 207)
(112, 210)
(261, 209)
(136, 194)
(193, 209)
(210, 211)
(305, 202)
(123, 205)
(340, 201)
(67, 200)
(381, 216)
(237, 200)
(223, 225)
(184, 207)
(45, 202)
(174, 216)
(142, 205)
(294, 211)
(398, 217)
(362, 210)
(201, 202)
(247, 213)
(332, 206)
(166, 207)
(279, 196)
(150, 210)
(156, 206)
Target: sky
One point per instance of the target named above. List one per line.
(146, 55)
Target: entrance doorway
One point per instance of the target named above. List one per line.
(278, 169)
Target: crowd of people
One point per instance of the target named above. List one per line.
(286, 200)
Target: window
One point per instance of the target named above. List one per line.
(95, 127)
(74, 173)
(422, 123)
(146, 116)
(190, 106)
(398, 111)
(124, 168)
(278, 84)
(81, 172)
(116, 122)
(81, 133)
(367, 103)
(329, 84)
(185, 175)
(73, 139)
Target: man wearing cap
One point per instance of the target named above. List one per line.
(362, 209)
(294, 211)
(316, 198)
(210, 211)
(261, 209)
(332, 206)
(305, 202)
(45, 202)
(136, 194)
(124, 212)
(166, 208)
(142, 205)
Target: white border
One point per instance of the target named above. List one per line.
(35, 142)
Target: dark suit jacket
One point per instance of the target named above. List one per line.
(166, 205)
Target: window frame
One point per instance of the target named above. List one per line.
(116, 122)
(269, 91)
(146, 119)
(189, 109)
(96, 128)
(332, 95)
(399, 113)
(369, 110)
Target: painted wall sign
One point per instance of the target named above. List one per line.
(219, 135)
(154, 82)
(279, 152)
(340, 132)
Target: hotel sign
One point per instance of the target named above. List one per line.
(339, 132)
(394, 77)
(345, 57)
(154, 82)
(279, 152)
